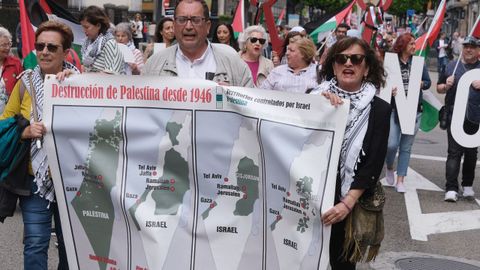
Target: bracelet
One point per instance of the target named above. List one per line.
(346, 205)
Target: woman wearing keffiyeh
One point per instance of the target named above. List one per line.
(100, 52)
(52, 40)
(352, 71)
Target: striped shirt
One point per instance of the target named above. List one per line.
(110, 60)
(282, 78)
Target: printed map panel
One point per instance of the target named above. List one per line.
(91, 160)
(294, 190)
(158, 187)
(229, 222)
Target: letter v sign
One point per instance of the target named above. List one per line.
(406, 105)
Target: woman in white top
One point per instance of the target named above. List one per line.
(299, 75)
(137, 29)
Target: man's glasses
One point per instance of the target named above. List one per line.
(196, 20)
(355, 59)
(50, 47)
(6, 45)
(254, 40)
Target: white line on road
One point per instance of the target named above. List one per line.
(422, 225)
(432, 158)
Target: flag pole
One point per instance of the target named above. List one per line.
(461, 53)
(321, 47)
(420, 25)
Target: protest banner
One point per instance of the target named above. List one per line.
(172, 173)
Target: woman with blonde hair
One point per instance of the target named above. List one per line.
(299, 75)
(252, 43)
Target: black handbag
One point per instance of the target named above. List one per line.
(443, 118)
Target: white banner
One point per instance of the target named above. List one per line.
(171, 173)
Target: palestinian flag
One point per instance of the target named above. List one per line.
(32, 14)
(238, 23)
(323, 27)
(280, 17)
(425, 41)
(476, 28)
(431, 105)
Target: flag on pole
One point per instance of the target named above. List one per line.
(425, 41)
(238, 23)
(476, 28)
(431, 105)
(32, 14)
(327, 24)
(280, 17)
(369, 26)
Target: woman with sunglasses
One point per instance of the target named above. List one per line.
(52, 40)
(100, 52)
(163, 34)
(352, 71)
(252, 42)
(10, 67)
(224, 34)
(404, 46)
(299, 75)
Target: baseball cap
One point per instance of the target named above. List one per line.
(470, 40)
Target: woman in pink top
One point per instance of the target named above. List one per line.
(252, 42)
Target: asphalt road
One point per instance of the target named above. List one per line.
(428, 155)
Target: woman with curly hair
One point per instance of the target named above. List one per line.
(352, 71)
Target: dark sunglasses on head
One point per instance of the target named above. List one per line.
(50, 47)
(261, 40)
(355, 59)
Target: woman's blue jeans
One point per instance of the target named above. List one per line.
(37, 221)
(401, 142)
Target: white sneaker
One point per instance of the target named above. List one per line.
(468, 192)
(451, 196)
(390, 177)
(400, 187)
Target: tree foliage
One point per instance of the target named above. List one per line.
(326, 5)
(399, 7)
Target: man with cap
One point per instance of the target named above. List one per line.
(447, 83)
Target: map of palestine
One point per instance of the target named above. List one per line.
(93, 203)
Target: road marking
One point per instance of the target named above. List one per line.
(422, 225)
(433, 158)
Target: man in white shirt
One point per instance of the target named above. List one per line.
(194, 56)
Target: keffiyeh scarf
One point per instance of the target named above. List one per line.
(92, 49)
(39, 156)
(357, 123)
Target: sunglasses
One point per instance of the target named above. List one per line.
(355, 59)
(261, 40)
(50, 47)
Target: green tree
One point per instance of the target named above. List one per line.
(399, 8)
(327, 5)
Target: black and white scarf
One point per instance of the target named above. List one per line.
(92, 49)
(357, 123)
(39, 156)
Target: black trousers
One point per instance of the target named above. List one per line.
(337, 260)
(454, 157)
